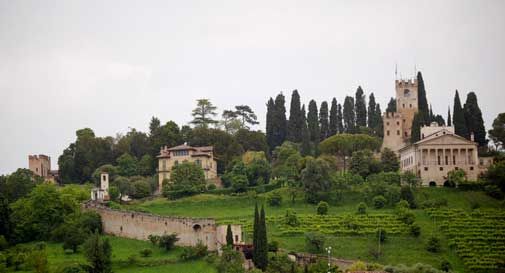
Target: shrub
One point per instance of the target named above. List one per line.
(493, 191)
(379, 201)
(194, 252)
(133, 260)
(154, 239)
(406, 216)
(381, 235)
(434, 203)
(291, 219)
(239, 183)
(146, 252)
(415, 230)
(168, 241)
(433, 244)
(3, 243)
(445, 266)
(314, 243)
(211, 187)
(274, 199)
(407, 195)
(322, 208)
(273, 246)
(362, 208)
(402, 204)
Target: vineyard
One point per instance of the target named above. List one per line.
(477, 237)
(344, 224)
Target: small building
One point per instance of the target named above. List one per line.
(101, 194)
(41, 165)
(202, 156)
(438, 152)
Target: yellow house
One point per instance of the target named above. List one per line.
(202, 156)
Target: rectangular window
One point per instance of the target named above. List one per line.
(441, 168)
(439, 161)
(446, 160)
(426, 168)
(387, 133)
(398, 132)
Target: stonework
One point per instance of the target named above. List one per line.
(202, 156)
(101, 194)
(40, 165)
(138, 225)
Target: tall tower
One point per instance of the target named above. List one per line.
(406, 104)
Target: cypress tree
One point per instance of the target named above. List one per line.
(270, 124)
(333, 127)
(422, 100)
(449, 122)
(305, 148)
(360, 108)
(313, 122)
(262, 259)
(323, 121)
(391, 106)
(431, 117)
(474, 121)
(417, 122)
(458, 118)
(255, 234)
(349, 115)
(372, 119)
(280, 123)
(380, 125)
(229, 236)
(340, 125)
(295, 119)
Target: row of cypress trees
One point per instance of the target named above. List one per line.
(309, 128)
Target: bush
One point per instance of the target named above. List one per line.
(415, 230)
(434, 203)
(154, 239)
(146, 252)
(493, 191)
(406, 216)
(211, 187)
(273, 246)
(3, 243)
(445, 266)
(403, 204)
(314, 243)
(322, 208)
(407, 195)
(381, 235)
(379, 201)
(194, 252)
(433, 244)
(362, 208)
(291, 219)
(133, 260)
(274, 199)
(168, 241)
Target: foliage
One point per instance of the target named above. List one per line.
(98, 253)
(433, 244)
(229, 236)
(230, 261)
(314, 242)
(381, 235)
(360, 106)
(497, 133)
(167, 241)
(410, 179)
(260, 255)
(18, 184)
(389, 161)
(349, 115)
(246, 115)
(140, 188)
(194, 252)
(146, 252)
(276, 122)
(391, 108)
(417, 268)
(273, 246)
(379, 201)
(313, 122)
(154, 239)
(258, 172)
(127, 165)
(407, 194)
(251, 140)
(203, 113)
(333, 124)
(458, 118)
(322, 208)
(38, 261)
(363, 163)
(456, 177)
(362, 208)
(316, 180)
(496, 174)
(291, 219)
(345, 145)
(415, 230)
(494, 191)
(239, 183)
(473, 118)
(323, 121)
(296, 119)
(275, 199)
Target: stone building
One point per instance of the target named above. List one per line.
(438, 152)
(139, 225)
(398, 125)
(202, 156)
(41, 165)
(101, 194)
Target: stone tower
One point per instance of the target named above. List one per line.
(398, 125)
(104, 182)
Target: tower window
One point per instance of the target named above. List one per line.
(410, 105)
(397, 123)
(406, 134)
(387, 133)
(397, 132)
(387, 123)
(403, 105)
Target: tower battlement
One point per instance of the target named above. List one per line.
(406, 83)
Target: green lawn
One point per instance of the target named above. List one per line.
(399, 248)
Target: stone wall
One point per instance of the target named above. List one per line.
(138, 225)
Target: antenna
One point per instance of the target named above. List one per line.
(396, 71)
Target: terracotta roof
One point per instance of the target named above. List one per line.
(182, 147)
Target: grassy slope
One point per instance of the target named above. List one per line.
(399, 249)
(123, 248)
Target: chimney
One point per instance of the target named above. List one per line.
(472, 137)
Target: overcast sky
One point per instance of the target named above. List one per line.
(111, 65)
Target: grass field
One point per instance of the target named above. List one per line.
(399, 248)
(122, 249)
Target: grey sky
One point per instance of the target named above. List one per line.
(110, 65)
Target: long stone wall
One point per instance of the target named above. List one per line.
(138, 225)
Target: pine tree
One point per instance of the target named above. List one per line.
(449, 121)
(229, 236)
(203, 113)
(280, 123)
(349, 115)
(262, 242)
(474, 121)
(255, 234)
(372, 119)
(458, 118)
(313, 122)
(323, 121)
(333, 127)
(305, 148)
(391, 106)
(295, 119)
(422, 100)
(340, 125)
(270, 124)
(360, 108)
